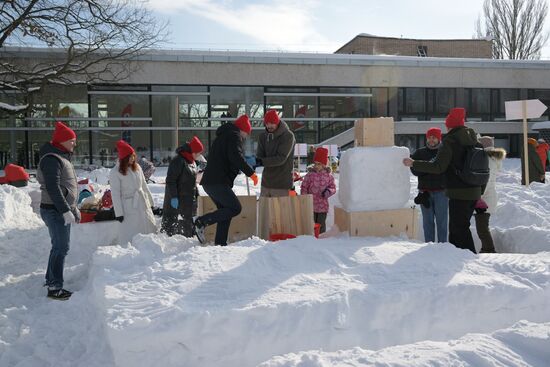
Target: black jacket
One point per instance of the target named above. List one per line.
(180, 183)
(427, 181)
(226, 158)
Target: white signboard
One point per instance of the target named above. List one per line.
(300, 150)
(533, 109)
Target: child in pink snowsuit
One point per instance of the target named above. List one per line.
(319, 182)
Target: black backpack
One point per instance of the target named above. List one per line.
(475, 171)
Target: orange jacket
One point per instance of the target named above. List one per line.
(542, 151)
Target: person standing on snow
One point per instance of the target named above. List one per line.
(431, 197)
(132, 200)
(59, 194)
(276, 153)
(450, 157)
(225, 160)
(180, 195)
(488, 203)
(536, 173)
(542, 150)
(319, 182)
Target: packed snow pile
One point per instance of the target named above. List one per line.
(374, 178)
(16, 210)
(524, 344)
(241, 305)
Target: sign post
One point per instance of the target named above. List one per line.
(526, 109)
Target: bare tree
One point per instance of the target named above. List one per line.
(515, 26)
(89, 40)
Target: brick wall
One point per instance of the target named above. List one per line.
(409, 47)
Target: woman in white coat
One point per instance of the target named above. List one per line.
(132, 199)
(488, 203)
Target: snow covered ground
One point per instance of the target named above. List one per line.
(304, 302)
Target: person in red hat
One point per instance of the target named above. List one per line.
(14, 175)
(449, 161)
(59, 195)
(132, 200)
(319, 182)
(431, 191)
(275, 153)
(181, 192)
(225, 161)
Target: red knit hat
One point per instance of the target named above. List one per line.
(243, 123)
(455, 118)
(62, 133)
(321, 156)
(435, 132)
(124, 149)
(271, 117)
(196, 145)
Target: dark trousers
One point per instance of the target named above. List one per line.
(321, 219)
(228, 206)
(179, 221)
(460, 214)
(484, 233)
(60, 236)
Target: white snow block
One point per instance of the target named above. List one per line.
(374, 178)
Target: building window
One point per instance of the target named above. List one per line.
(422, 51)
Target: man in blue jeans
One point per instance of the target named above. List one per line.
(225, 161)
(431, 197)
(59, 194)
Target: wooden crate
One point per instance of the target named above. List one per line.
(374, 132)
(377, 223)
(242, 226)
(288, 214)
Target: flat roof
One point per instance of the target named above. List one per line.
(254, 57)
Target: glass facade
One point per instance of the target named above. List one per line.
(156, 119)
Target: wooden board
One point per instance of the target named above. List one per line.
(242, 226)
(377, 223)
(288, 214)
(374, 132)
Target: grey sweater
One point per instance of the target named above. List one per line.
(276, 150)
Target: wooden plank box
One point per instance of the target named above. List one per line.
(377, 223)
(242, 226)
(374, 132)
(288, 214)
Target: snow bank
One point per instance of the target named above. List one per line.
(524, 344)
(16, 210)
(374, 178)
(241, 305)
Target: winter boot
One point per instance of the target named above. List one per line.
(198, 230)
(59, 294)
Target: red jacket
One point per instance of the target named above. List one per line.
(542, 151)
(317, 182)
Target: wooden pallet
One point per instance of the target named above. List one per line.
(242, 226)
(288, 214)
(377, 223)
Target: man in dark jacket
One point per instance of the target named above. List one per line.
(536, 172)
(59, 194)
(276, 153)
(180, 195)
(431, 187)
(225, 161)
(449, 158)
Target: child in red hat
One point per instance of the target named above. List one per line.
(319, 182)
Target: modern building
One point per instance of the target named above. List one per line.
(368, 44)
(176, 94)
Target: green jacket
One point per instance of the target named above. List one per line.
(535, 165)
(451, 156)
(276, 151)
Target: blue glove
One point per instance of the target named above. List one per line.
(174, 203)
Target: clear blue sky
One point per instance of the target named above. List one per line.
(311, 25)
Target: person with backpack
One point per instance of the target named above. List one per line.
(466, 168)
(431, 187)
(536, 172)
(58, 203)
(131, 197)
(225, 161)
(487, 204)
(180, 195)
